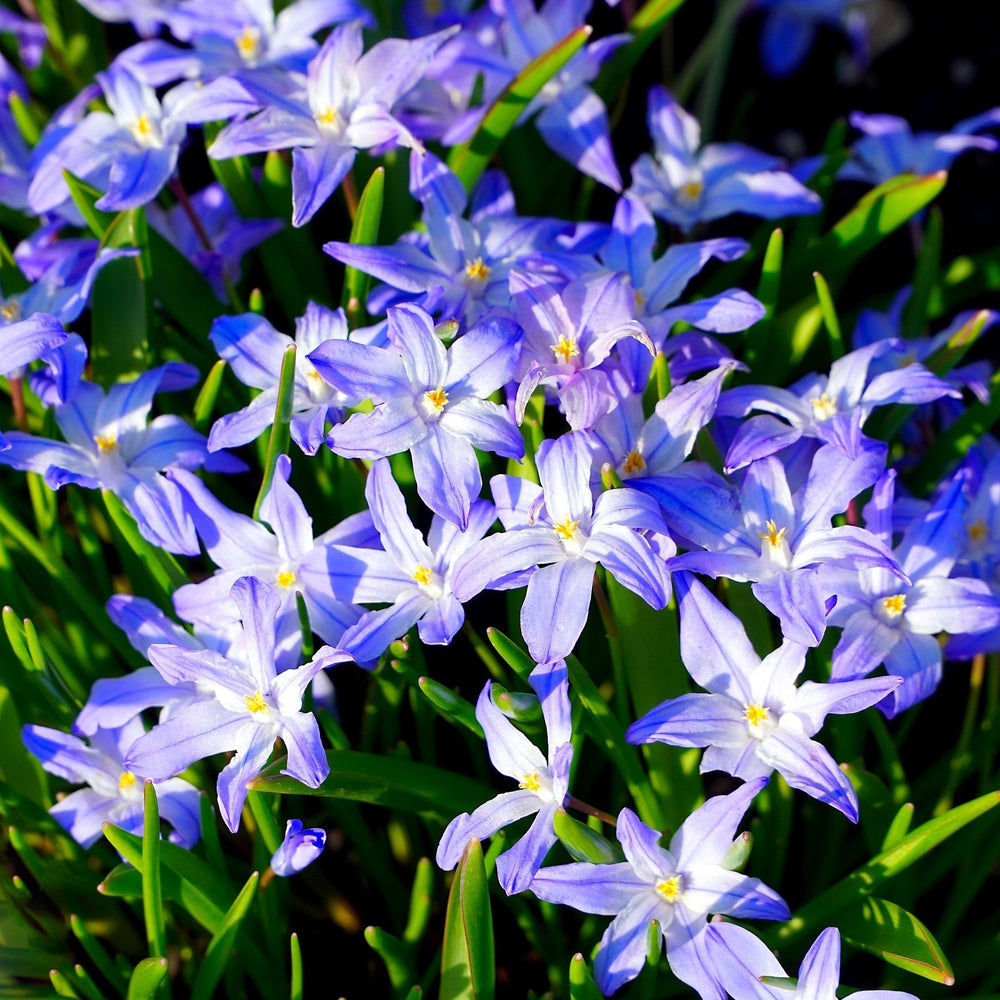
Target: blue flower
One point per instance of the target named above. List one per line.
(115, 789)
(543, 783)
(686, 184)
(561, 531)
(754, 720)
(430, 401)
(346, 105)
(251, 706)
(677, 887)
(299, 848)
(745, 963)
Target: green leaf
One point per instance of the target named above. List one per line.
(829, 312)
(899, 827)
(583, 843)
(823, 910)
(164, 570)
(467, 962)
(885, 929)
(768, 288)
(123, 881)
(581, 982)
(146, 979)
(880, 212)
(610, 736)
(955, 442)
(217, 955)
(278, 442)
(203, 892)
(121, 304)
(182, 290)
(390, 781)
(204, 405)
(469, 160)
(295, 992)
(364, 232)
(97, 954)
(397, 957)
(513, 655)
(450, 705)
(84, 196)
(152, 894)
(925, 275)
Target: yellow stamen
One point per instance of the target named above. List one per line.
(106, 442)
(773, 535)
(437, 398)
(565, 349)
(328, 116)
(640, 299)
(894, 606)
(823, 406)
(692, 190)
(285, 578)
(634, 462)
(530, 781)
(423, 575)
(142, 126)
(248, 42)
(566, 529)
(11, 310)
(476, 270)
(127, 780)
(977, 531)
(755, 713)
(670, 888)
(255, 702)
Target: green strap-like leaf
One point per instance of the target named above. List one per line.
(583, 843)
(469, 160)
(862, 882)
(364, 232)
(885, 929)
(152, 893)
(278, 442)
(213, 965)
(467, 961)
(387, 781)
(146, 979)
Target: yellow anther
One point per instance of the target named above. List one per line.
(894, 606)
(142, 127)
(127, 780)
(669, 889)
(248, 42)
(285, 578)
(255, 702)
(423, 575)
(773, 536)
(640, 299)
(327, 117)
(565, 349)
(476, 270)
(530, 781)
(755, 713)
(106, 442)
(634, 462)
(437, 398)
(11, 310)
(977, 531)
(692, 190)
(823, 406)
(566, 529)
